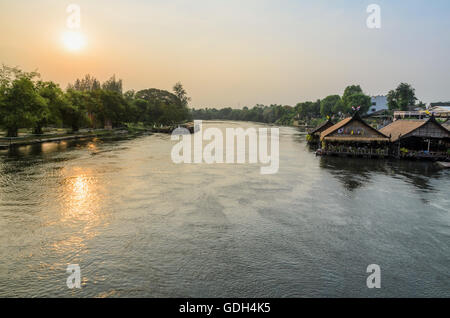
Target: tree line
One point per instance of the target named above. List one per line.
(26, 101)
(331, 106)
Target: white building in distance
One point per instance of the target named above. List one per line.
(378, 103)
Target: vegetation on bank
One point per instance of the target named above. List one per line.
(311, 113)
(28, 102)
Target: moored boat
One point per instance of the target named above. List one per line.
(443, 165)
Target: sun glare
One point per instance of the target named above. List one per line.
(73, 40)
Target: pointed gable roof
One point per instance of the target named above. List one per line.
(401, 128)
(347, 121)
(325, 125)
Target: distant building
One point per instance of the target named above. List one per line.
(419, 137)
(354, 137)
(439, 109)
(445, 104)
(436, 111)
(378, 103)
(314, 135)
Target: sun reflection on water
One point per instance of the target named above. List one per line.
(81, 197)
(81, 213)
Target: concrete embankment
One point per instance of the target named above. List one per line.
(6, 143)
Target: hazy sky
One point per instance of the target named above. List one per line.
(238, 52)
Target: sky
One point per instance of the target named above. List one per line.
(235, 53)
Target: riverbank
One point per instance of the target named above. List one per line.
(131, 130)
(7, 142)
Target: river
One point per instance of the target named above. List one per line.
(139, 225)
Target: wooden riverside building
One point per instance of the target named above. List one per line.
(409, 139)
(313, 136)
(354, 137)
(420, 139)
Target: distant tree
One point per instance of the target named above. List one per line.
(163, 106)
(279, 114)
(349, 91)
(327, 104)
(339, 107)
(142, 110)
(402, 97)
(8, 74)
(358, 100)
(74, 114)
(55, 103)
(181, 94)
(129, 95)
(439, 104)
(88, 83)
(305, 110)
(114, 107)
(355, 97)
(157, 95)
(113, 85)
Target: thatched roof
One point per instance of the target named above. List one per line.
(402, 127)
(335, 127)
(325, 125)
(446, 124)
(346, 121)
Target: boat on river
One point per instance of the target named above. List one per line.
(443, 165)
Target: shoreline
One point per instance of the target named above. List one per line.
(10, 142)
(7, 143)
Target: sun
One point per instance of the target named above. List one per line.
(73, 40)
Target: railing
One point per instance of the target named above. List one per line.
(426, 155)
(420, 114)
(8, 140)
(357, 152)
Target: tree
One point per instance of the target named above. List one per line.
(113, 107)
(21, 105)
(339, 107)
(55, 103)
(181, 94)
(9, 74)
(75, 114)
(113, 85)
(129, 95)
(355, 97)
(88, 83)
(402, 97)
(327, 104)
(349, 91)
(163, 106)
(306, 110)
(358, 100)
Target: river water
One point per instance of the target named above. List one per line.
(139, 225)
